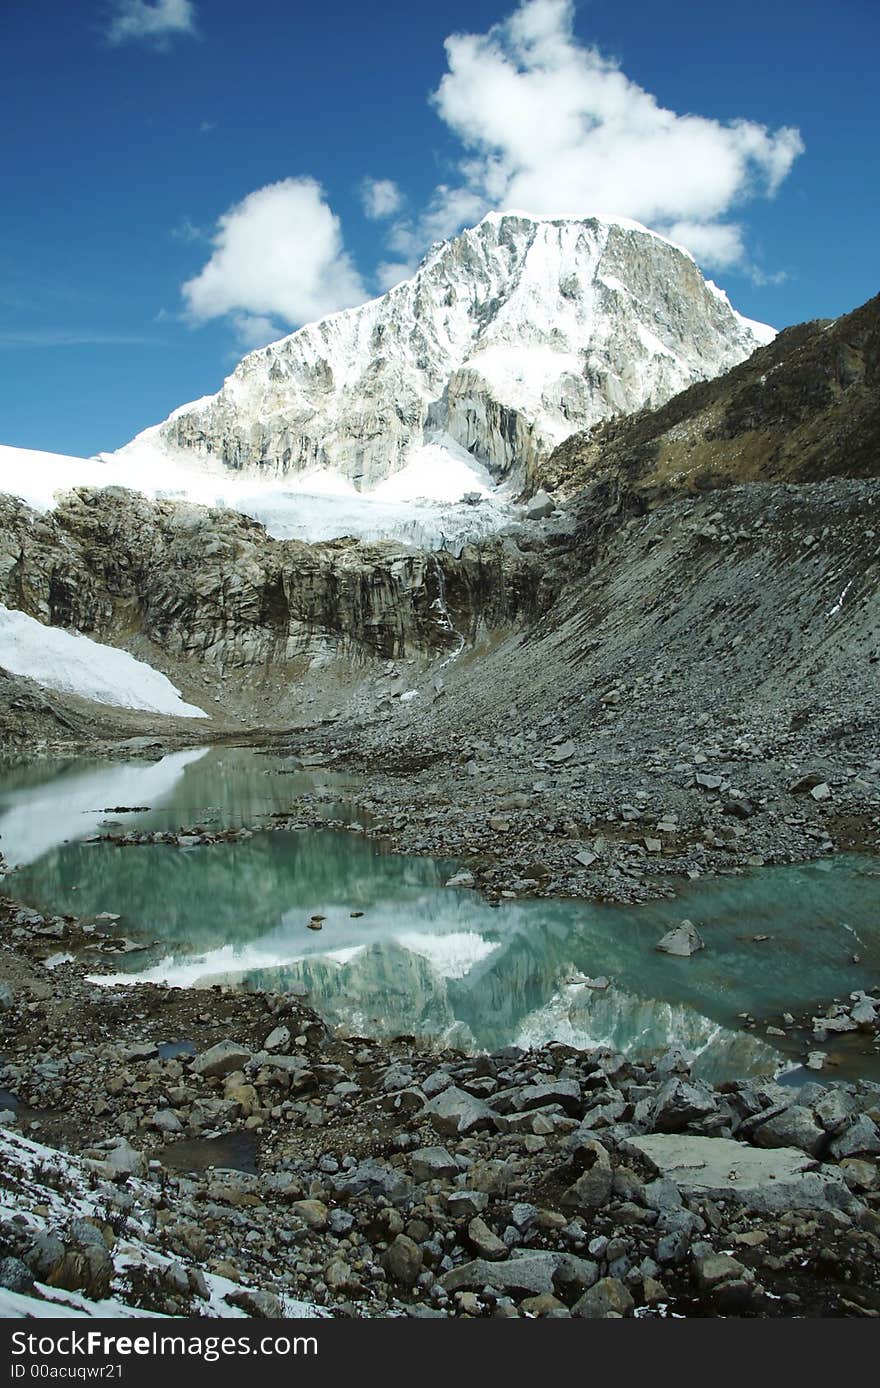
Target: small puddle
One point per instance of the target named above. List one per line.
(170, 1050)
(230, 1151)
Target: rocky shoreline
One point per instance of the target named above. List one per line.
(384, 1179)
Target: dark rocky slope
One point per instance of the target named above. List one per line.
(803, 409)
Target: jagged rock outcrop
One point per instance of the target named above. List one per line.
(508, 338)
(209, 585)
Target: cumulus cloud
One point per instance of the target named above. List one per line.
(392, 272)
(156, 20)
(549, 125)
(381, 198)
(255, 329)
(278, 255)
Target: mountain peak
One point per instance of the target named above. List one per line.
(507, 339)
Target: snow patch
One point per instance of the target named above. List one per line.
(75, 664)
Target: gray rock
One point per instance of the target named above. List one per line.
(7, 997)
(608, 1298)
(340, 1223)
(462, 879)
(435, 1083)
(706, 781)
(485, 1241)
(592, 1189)
(432, 1163)
(833, 1109)
(165, 1121)
(662, 1195)
(566, 1093)
(455, 1113)
(712, 1269)
(313, 1213)
(221, 1059)
(540, 506)
(794, 1127)
(680, 1102)
(859, 1138)
(373, 1177)
(682, 941)
(464, 1204)
(16, 1276)
(769, 1181)
(523, 1215)
(403, 1260)
(528, 1274)
(125, 1160)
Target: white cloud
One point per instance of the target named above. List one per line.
(392, 272)
(277, 254)
(549, 125)
(159, 20)
(188, 231)
(255, 329)
(381, 198)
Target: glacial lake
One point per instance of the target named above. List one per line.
(420, 958)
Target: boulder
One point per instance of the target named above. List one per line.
(432, 1163)
(221, 1059)
(859, 1138)
(766, 1180)
(710, 1270)
(683, 941)
(607, 1299)
(375, 1178)
(540, 506)
(403, 1260)
(527, 1275)
(455, 1113)
(592, 1189)
(485, 1241)
(313, 1213)
(679, 1102)
(794, 1127)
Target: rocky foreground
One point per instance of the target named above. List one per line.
(210, 1152)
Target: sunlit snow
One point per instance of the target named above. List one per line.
(74, 664)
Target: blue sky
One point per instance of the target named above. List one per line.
(132, 127)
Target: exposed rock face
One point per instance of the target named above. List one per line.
(508, 338)
(209, 584)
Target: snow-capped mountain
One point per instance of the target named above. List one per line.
(508, 338)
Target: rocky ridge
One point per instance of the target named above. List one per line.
(802, 409)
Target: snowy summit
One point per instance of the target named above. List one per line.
(378, 421)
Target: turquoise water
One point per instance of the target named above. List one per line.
(423, 958)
